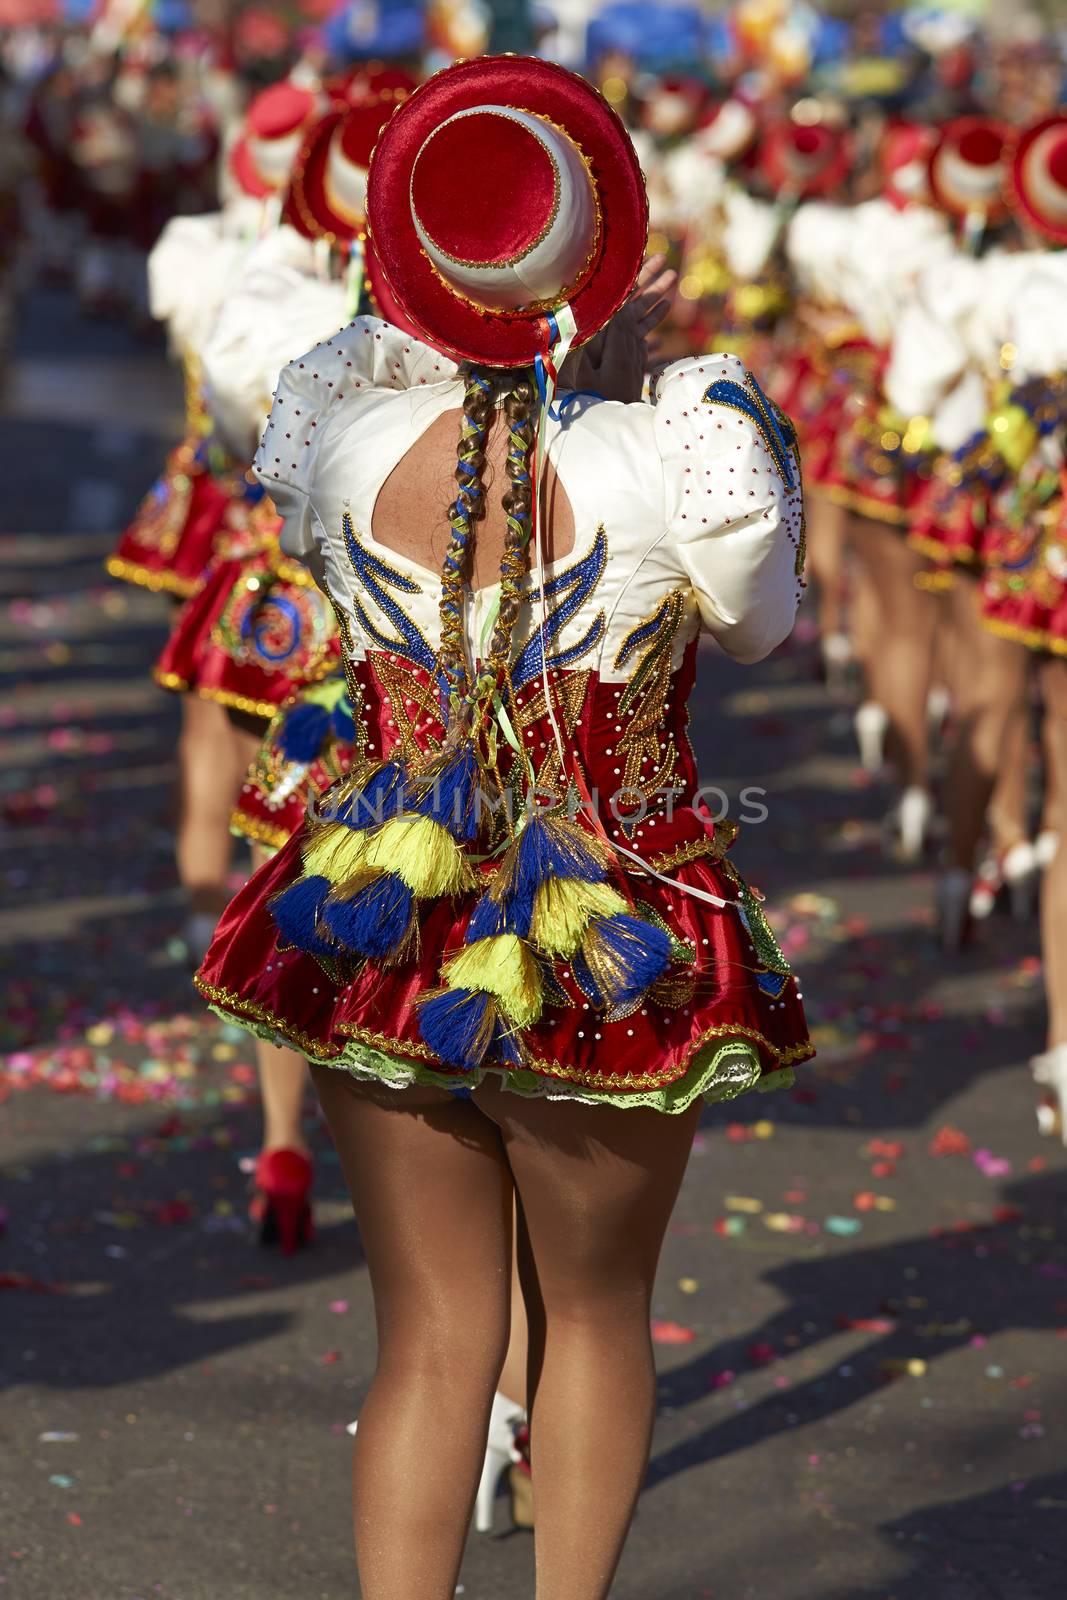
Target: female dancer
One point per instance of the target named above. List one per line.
(203, 493)
(258, 628)
(511, 942)
(1024, 586)
(946, 367)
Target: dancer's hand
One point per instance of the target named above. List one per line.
(615, 360)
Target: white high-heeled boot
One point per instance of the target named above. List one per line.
(1045, 846)
(837, 658)
(914, 814)
(1016, 872)
(1021, 872)
(500, 1454)
(938, 706)
(871, 722)
(1050, 1071)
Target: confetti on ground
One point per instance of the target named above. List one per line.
(671, 1332)
(170, 1061)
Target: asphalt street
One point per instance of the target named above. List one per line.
(861, 1317)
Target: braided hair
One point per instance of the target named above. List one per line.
(467, 509)
(520, 411)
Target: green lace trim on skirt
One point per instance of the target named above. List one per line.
(719, 1071)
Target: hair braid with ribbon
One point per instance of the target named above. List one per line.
(519, 412)
(467, 509)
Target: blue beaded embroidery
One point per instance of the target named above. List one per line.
(571, 588)
(410, 643)
(774, 426)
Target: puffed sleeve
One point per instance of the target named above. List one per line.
(189, 268)
(733, 501)
(368, 354)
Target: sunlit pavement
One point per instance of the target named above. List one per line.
(862, 1308)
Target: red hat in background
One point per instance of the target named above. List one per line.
(1037, 178)
(328, 190)
(968, 168)
(371, 81)
(673, 105)
(727, 129)
(805, 160)
(905, 153)
(502, 190)
(273, 130)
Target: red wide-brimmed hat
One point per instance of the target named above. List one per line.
(805, 160)
(382, 298)
(274, 127)
(1037, 178)
(502, 190)
(905, 155)
(328, 189)
(968, 168)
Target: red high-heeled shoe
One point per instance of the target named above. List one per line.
(282, 1204)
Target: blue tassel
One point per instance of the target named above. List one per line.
(621, 958)
(449, 797)
(375, 921)
(544, 850)
(301, 735)
(342, 722)
(505, 1047)
(459, 1025)
(297, 911)
(490, 917)
(374, 802)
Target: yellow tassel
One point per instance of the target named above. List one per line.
(423, 854)
(334, 851)
(504, 967)
(562, 909)
(350, 887)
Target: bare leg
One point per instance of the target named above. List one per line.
(900, 623)
(513, 1375)
(212, 761)
(1009, 821)
(596, 1189)
(864, 617)
(283, 1078)
(990, 704)
(826, 561)
(1054, 888)
(433, 1197)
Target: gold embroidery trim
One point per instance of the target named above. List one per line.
(683, 853)
(786, 1056)
(254, 828)
(865, 504)
(149, 578)
(229, 1001)
(644, 700)
(1033, 638)
(222, 697)
(941, 553)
